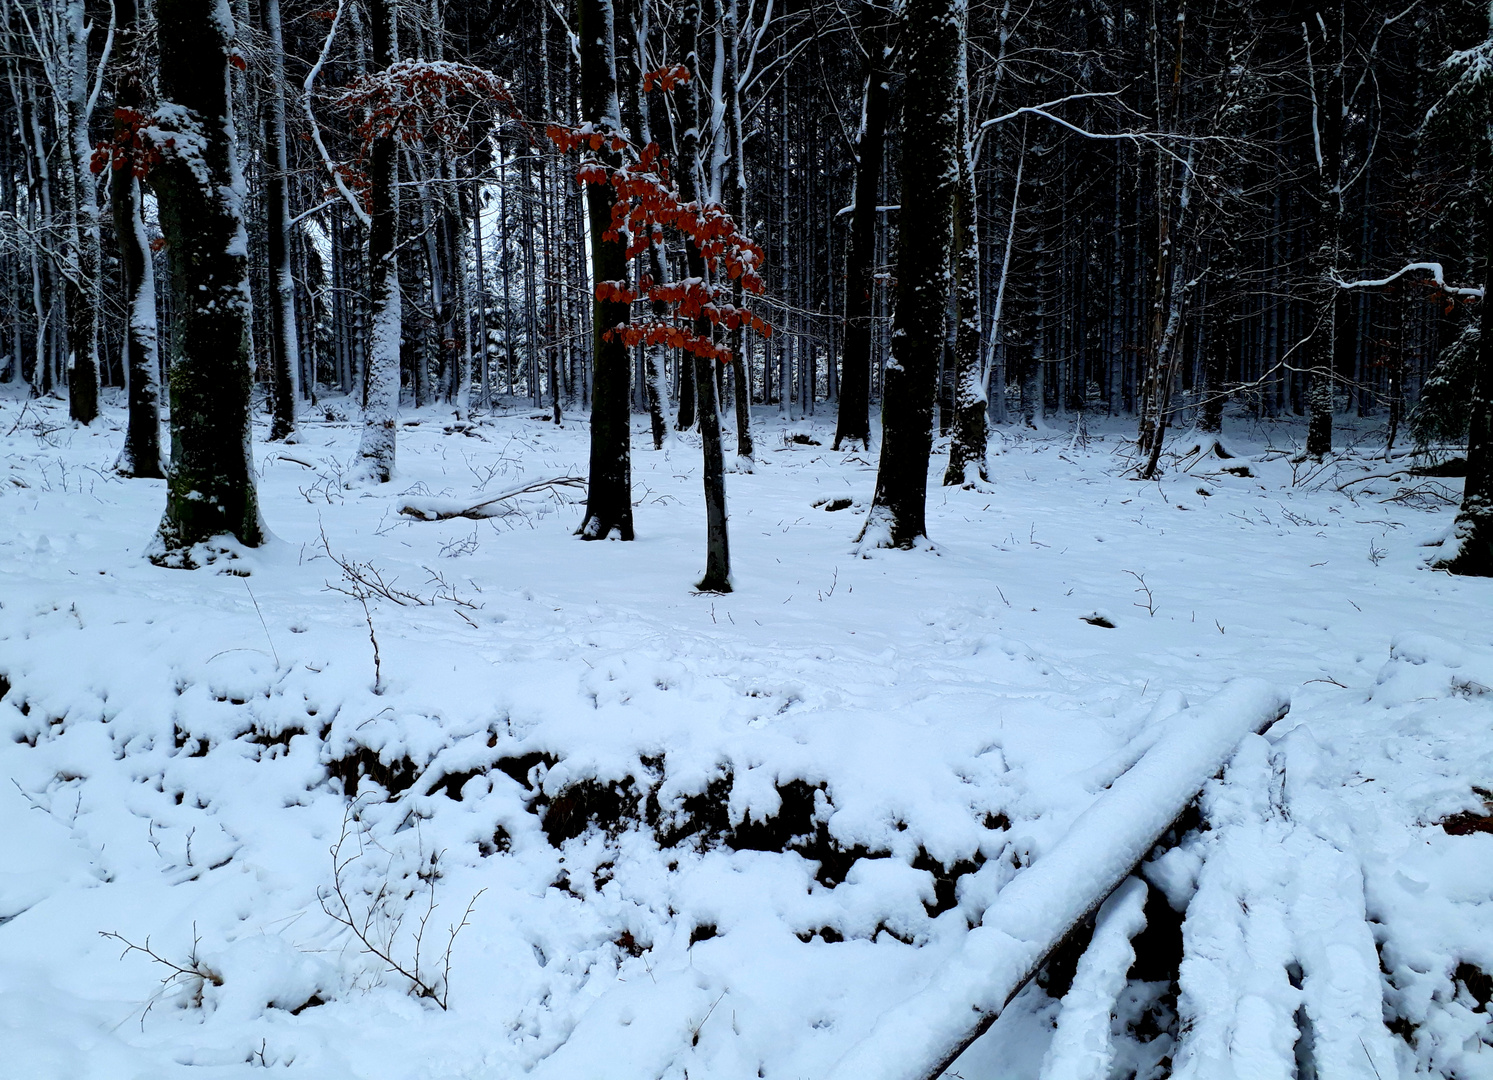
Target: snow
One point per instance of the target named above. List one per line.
(940, 730)
(1082, 1047)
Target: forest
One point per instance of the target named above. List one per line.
(1082, 671)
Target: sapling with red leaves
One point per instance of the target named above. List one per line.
(635, 200)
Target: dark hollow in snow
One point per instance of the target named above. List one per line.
(701, 819)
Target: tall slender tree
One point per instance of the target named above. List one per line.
(141, 455)
(381, 407)
(853, 423)
(970, 432)
(609, 491)
(284, 337)
(931, 33)
(82, 277)
(1469, 550)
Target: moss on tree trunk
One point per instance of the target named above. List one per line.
(210, 493)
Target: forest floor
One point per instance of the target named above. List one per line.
(722, 836)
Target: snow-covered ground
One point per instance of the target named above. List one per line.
(725, 836)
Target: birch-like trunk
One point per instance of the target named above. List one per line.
(735, 202)
(285, 343)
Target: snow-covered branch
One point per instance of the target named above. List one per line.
(1438, 275)
(336, 174)
(103, 63)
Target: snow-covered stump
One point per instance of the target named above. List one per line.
(921, 1036)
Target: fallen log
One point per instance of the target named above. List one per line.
(920, 1038)
(433, 509)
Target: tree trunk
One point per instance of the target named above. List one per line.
(930, 145)
(717, 543)
(717, 548)
(381, 406)
(853, 421)
(967, 449)
(211, 490)
(609, 494)
(1327, 131)
(82, 280)
(285, 340)
(1470, 548)
(141, 455)
(735, 199)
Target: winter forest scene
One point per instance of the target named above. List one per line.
(729, 539)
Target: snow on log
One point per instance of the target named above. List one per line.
(1082, 1047)
(434, 509)
(921, 1036)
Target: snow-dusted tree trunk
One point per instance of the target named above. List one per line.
(461, 355)
(967, 448)
(694, 115)
(1167, 358)
(484, 367)
(285, 348)
(655, 357)
(853, 423)
(201, 190)
(995, 362)
(141, 455)
(82, 273)
(1325, 76)
(381, 408)
(735, 202)
(1470, 548)
(609, 493)
(930, 150)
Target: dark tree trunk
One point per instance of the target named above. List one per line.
(609, 494)
(1215, 365)
(853, 423)
(381, 402)
(717, 544)
(686, 394)
(211, 490)
(81, 283)
(1327, 106)
(1470, 548)
(141, 455)
(930, 175)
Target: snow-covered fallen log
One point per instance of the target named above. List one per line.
(922, 1035)
(428, 508)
